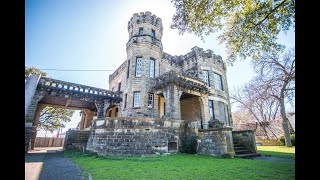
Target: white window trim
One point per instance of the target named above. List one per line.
(152, 100)
(136, 99)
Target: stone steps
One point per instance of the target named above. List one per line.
(243, 152)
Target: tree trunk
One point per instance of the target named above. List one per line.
(285, 126)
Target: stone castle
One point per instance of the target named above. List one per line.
(155, 101)
(170, 91)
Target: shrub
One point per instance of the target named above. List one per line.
(189, 145)
(292, 137)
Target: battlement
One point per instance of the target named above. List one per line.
(145, 17)
(192, 56)
(116, 72)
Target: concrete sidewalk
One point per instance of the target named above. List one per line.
(50, 163)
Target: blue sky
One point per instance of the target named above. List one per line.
(83, 34)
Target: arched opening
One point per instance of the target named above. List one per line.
(190, 107)
(112, 111)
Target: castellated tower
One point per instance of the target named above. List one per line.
(144, 51)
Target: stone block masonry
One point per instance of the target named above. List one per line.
(134, 136)
(76, 140)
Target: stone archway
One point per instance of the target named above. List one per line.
(41, 92)
(191, 108)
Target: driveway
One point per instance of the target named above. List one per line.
(50, 163)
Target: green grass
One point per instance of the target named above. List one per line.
(180, 166)
(277, 151)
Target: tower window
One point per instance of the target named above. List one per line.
(136, 99)
(140, 31)
(151, 68)
(128, 69)
(125, 100)
(206, 77)
(211, 109)
(153, 35)
(119, 86)
(138, 67)
(218, 81)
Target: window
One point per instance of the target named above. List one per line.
(138, 67)
(112, 89)
(140, 31)
(153, 35)
(211, 109)
(206, 77)
(150, 100)
(125, 100)
(136, 99)
(151, 68)
(218, 81)
(119, 86)
(128, 69)
(227, 114)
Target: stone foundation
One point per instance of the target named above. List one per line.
(134, 136)
(215, 142)
(76, 140)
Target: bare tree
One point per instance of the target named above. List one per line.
(254, 100)
(277, 78)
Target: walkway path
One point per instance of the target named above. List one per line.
(50, 164)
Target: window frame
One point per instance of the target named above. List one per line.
(207, 80)
(136, 69)
(151, 100)
(154, 67)
(135, 100)
(219, 76)
(140, 31)
(211, 108)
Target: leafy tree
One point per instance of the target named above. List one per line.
(28, 71)
(51, 118)
(249, 26)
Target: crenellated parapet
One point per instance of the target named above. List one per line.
(193, 56)
(145, 17)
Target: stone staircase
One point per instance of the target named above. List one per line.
(242, 151)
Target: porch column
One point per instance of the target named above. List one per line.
(205, 111)
(88, 118)
(40, 107)
(172, 99)
(100, 109)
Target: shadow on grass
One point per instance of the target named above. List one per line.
(277, 154)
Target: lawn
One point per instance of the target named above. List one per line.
(277, 151)
(180, 166)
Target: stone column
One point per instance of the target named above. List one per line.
(88, 118)
(205, 111)
(29, 118)
(30, 89)
(100, 110)
(172, 100)
(35, 124)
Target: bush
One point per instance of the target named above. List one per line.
(292, 137)
(189, 145)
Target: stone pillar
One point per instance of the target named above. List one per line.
(29, 118)
(229, 141)
(172, 100)
(100, 110)
(35, 124)
(88, 118)
(30, 89)
(205, 111)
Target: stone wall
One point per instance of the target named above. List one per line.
(245, 138)
(134, 136)
(265, 142)
(215, 142)
(76, 140)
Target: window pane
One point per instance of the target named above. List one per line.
(140, 31)
(151, 68)
(222, 112)
(211, 109)
(206, 77)
(138, 67)
(218, 81)
(150, 100)
(136, 100)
